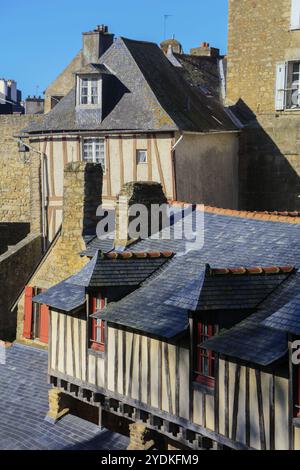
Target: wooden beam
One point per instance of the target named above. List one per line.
(78, 149)
(116, 368)
(262, 431)
(134, 167)
(158, 414)
(106, 356)
(50, 341)
(247, 407)
(236, 402)
(159, 382)
(204, 410)
(168, 377)
(148, 371)
(64, 151)
(80, 349)
(149, 156)
(226, 387)
(191, 366)
(52, 182)
(57, 341)
(272, 411)
(158, 161)
(133, 341)
(65, 343)
(140, 369)
(108, 173)
(177, 380)
(217, 393)
(124, 362)
(121, 161)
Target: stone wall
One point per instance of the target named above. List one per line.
(82, 193)
(259, 39)
(14, 171)
(16, 265)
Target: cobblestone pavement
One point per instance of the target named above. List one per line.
(24, 404)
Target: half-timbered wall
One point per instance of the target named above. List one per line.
(146, 370)
(121, 167)
(253, 407)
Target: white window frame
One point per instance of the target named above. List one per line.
(93, 142)
(295, 15)
(287, 88)
(90, 82)
(138, 152)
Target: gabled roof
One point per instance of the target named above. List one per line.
(230, 289)
(119, 269)
(152, 96)
(253, 340)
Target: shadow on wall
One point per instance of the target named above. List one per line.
(267, 180)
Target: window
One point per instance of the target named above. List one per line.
(204, 371)
(94, 151)
(35, 316)
(89, 91)
(141, 156)
(97, 326)
(295, 14)
(288, 86)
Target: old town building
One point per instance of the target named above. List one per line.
(180, 342)
(263, 86)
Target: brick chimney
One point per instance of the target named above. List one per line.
(205, 50)
(95, 43)
(145, 193)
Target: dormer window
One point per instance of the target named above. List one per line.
(89, 91)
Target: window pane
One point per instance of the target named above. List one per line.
(141, 156)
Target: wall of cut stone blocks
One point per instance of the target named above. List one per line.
(269, 161)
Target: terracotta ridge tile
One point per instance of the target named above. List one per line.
(291, 217)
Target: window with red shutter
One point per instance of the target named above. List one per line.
(36, 317)
(27, 330)
(204, 365)
(97, 326)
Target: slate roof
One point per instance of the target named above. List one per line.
(201, 73)
(94, 69)
(62, 296)
(229, 241)
(152, 95)
(287, 318)
(228, 291)
(253, 340)
(119, 269)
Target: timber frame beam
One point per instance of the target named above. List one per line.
(177, 429)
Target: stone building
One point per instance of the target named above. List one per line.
(143, 118)
(184, 346)
(263, 84)
(10, 97)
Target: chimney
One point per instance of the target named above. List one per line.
(82, 196)
(205, 50)
(95, 43)
(145, 193)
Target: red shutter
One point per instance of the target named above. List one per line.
(28, 312)
(44, 322)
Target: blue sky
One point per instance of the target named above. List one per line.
(40, 37)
